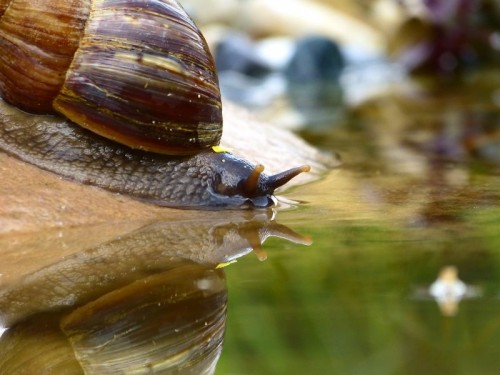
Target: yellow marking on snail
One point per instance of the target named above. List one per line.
(159, 62)
(220, 149)
(225, 264)
(162, 63)
(131, 20)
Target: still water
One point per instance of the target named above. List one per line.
(389, 264)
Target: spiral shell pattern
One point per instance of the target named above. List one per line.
(138, 72)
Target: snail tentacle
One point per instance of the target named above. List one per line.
(273, 182)
(252, 182)
(205, 180)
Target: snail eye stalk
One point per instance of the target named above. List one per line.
(275, 181)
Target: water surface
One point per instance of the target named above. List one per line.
(419, 191)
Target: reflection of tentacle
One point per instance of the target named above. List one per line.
(286, 233)
(256, 236)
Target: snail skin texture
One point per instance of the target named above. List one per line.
(121, 94)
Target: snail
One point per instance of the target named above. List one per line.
(123, 95)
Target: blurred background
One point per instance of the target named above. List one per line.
(402, 271)
(403, 276)
(305, 62)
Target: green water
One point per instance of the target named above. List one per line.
(356, 302)
(412, 197)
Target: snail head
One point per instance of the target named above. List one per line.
(239, 183)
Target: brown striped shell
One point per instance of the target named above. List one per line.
(138, 72)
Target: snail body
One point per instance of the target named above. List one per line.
(137, 86)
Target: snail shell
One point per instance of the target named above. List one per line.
(139, 74)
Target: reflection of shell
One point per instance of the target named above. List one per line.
(35, 345)
(171, 322)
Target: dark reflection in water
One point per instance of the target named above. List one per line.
(167, 322)
(150, 301)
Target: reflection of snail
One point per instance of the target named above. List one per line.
(170, 322)
(151, 300)
(136, 72)
(85, 270)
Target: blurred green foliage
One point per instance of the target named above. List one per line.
(355, 303)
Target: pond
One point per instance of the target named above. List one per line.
(417, 198)
(342, 286)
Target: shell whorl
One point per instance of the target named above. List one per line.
(37, 42)
(138, 72)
